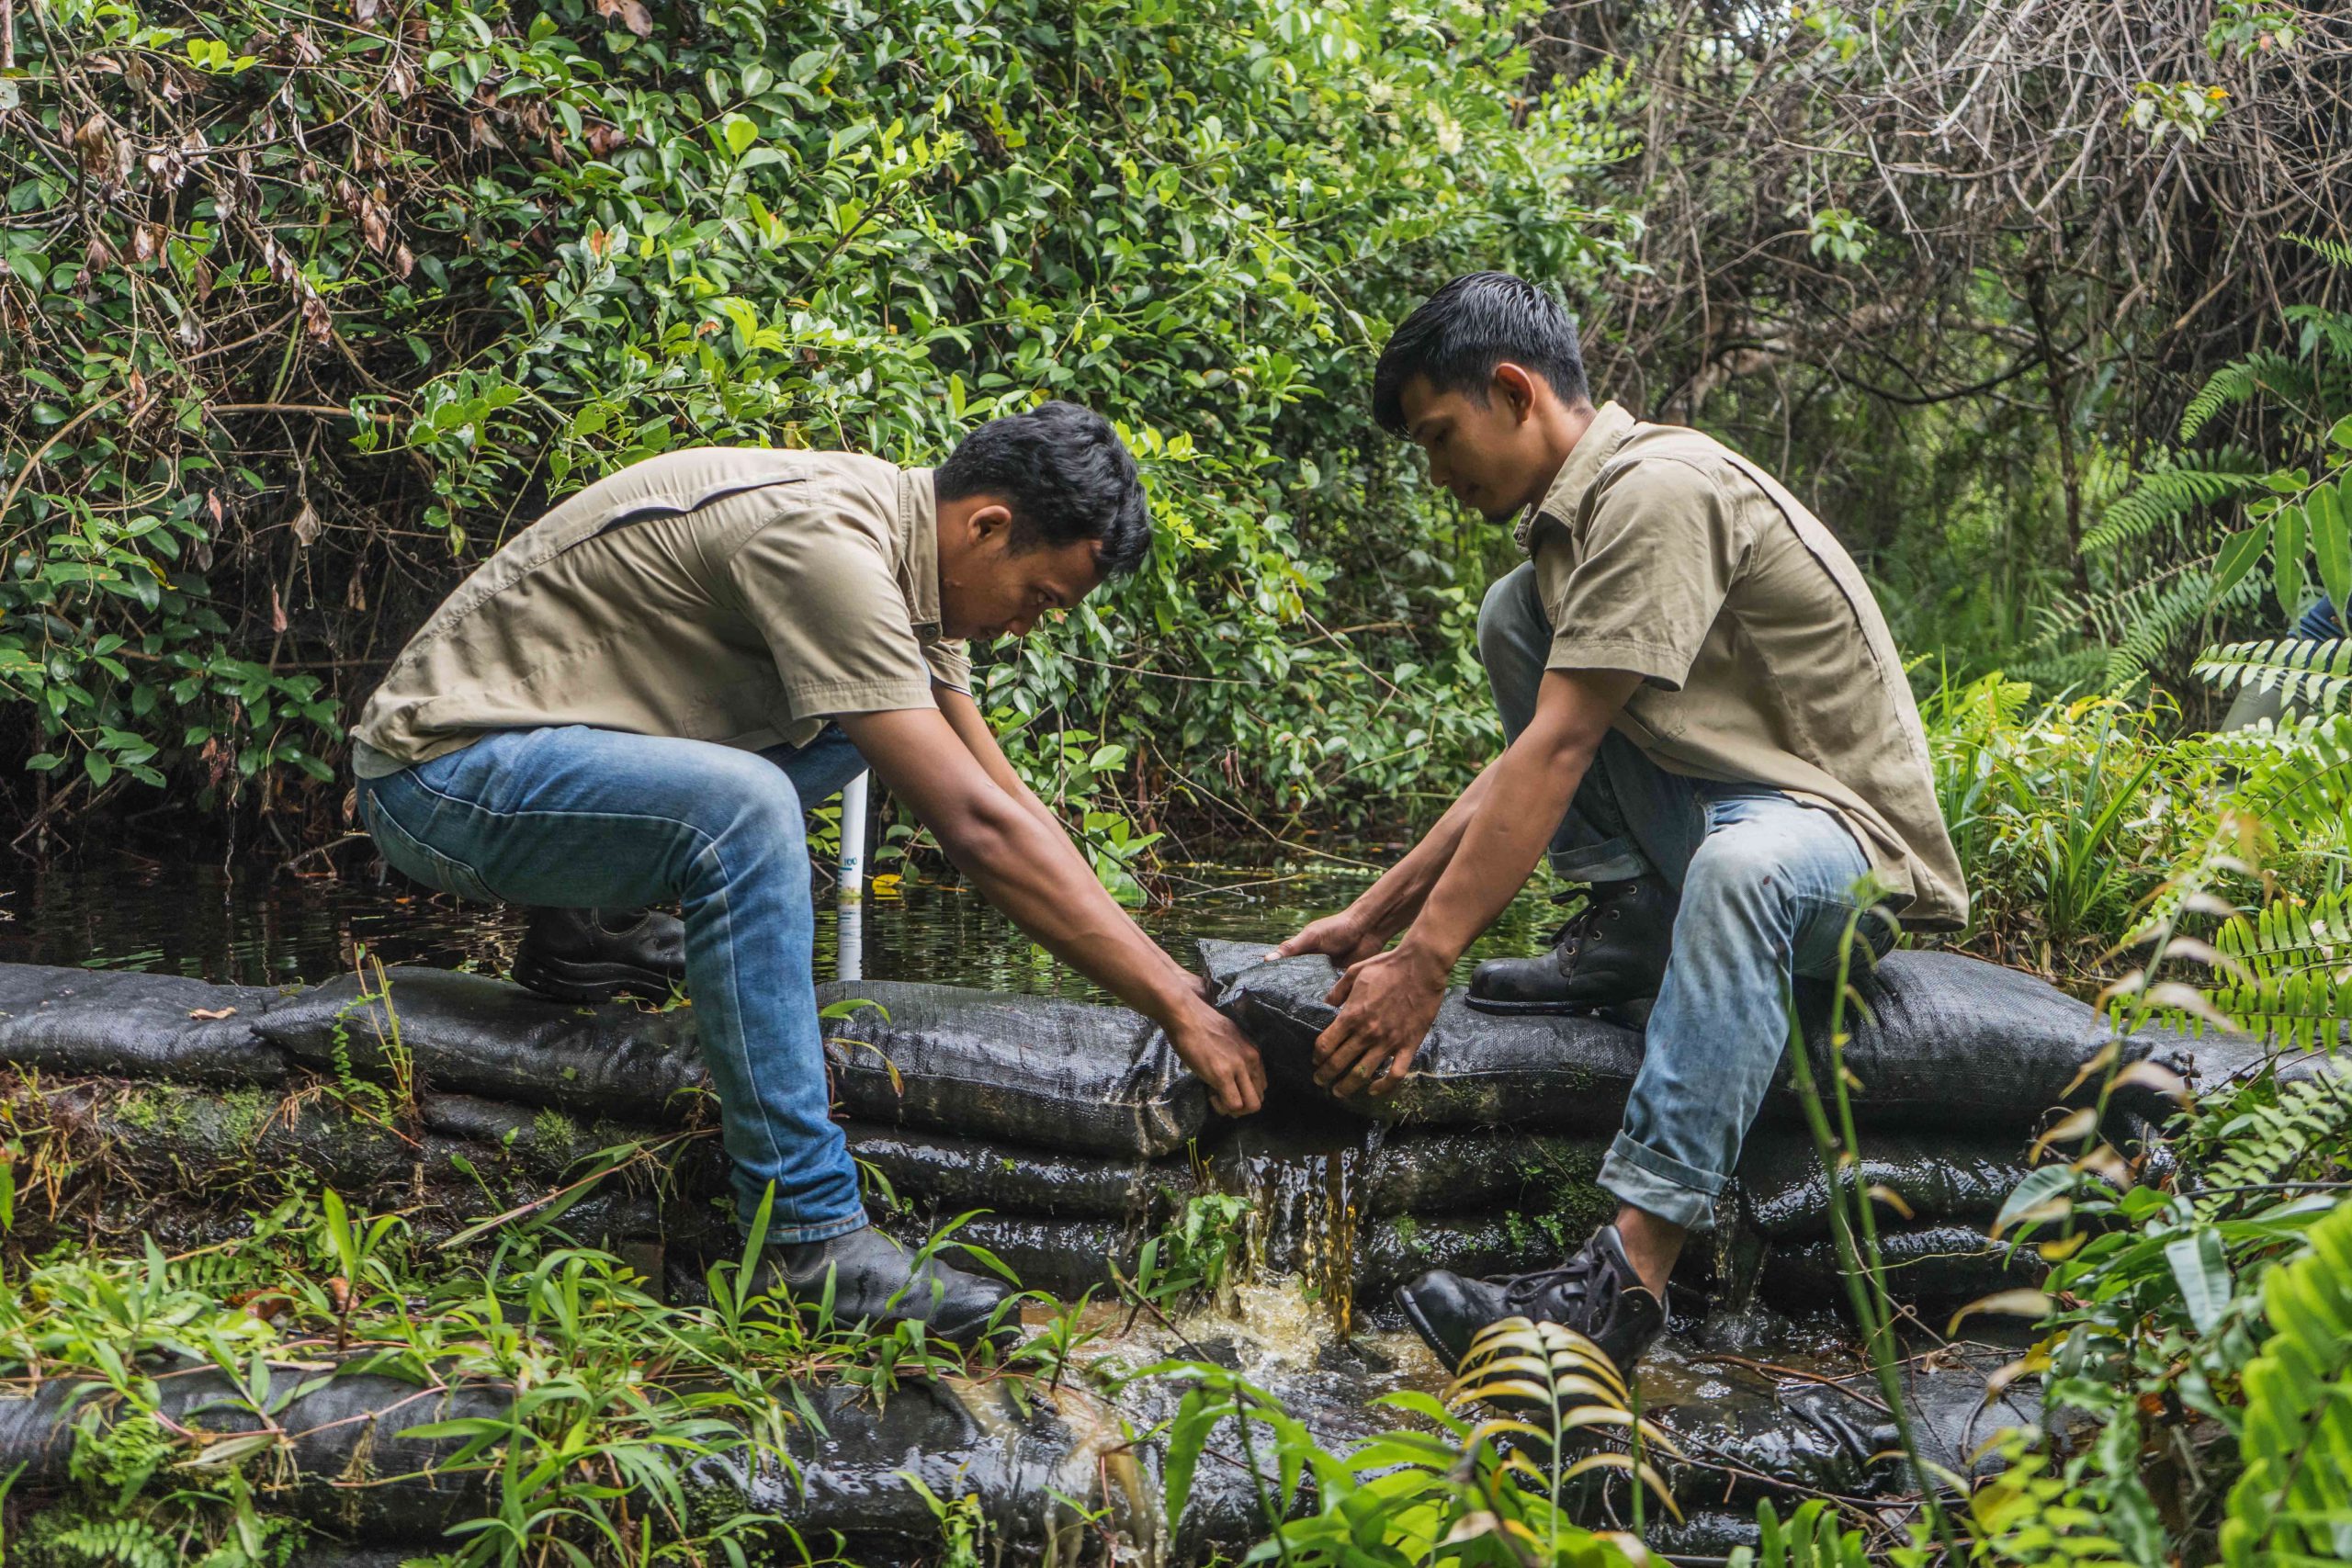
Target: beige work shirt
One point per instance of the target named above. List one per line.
(734, 595)
(1764, 658)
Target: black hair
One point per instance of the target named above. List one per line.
(1464, 330)
(1067, 476)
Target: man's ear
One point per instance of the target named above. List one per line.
(1516, 385)
(990, 523)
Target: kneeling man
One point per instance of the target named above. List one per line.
(631, 702)
(1708, 725)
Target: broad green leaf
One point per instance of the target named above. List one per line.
(2331, 541)
(2238, 556)
(2287, 532)
(2203, 1273)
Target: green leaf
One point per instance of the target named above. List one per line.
(740, 134)
(2239, 554)
(2341, 435)
(99, 769)
(2203, 1274)
(2288, 530)
(2332, 540)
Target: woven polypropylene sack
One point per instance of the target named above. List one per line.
(1034, 1070)
(1937, 1041)
(120, 1023)
(1784, 1191)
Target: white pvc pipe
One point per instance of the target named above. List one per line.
(853, 874)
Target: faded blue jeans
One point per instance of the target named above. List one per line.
(593, 818)
(1768, 885)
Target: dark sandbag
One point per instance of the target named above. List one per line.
(1785, 1195)
(1039, 1463)
(125, 1024)
(1944, 1042)
(1454, 1172)
(1934, 1267)
(948, 1176)
(1032, 1070)
(1390, 1252)
(348, 1430)
(474, 1034)
(1473, 1070)
(1062, 1257)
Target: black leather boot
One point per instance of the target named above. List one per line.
(594, 955)
(1595, 1292)
(1613, 952)
(876, 1283)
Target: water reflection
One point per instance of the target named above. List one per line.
(249, 925)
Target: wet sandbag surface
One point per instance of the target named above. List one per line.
(1474, 1069)
(949, 1176)
(1447, 1171)
(127, 1024)
(1784, 1192)
(1944, 1041)
(474, 1034)
(1031, 1070)
(1936, 1266)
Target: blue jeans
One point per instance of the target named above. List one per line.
(1768, 885)
(593, 818)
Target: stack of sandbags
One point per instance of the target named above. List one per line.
(456, 1097)
(1955, 1063)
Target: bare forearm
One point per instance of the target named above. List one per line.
(1498, 848)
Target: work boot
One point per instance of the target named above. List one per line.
(594, 955)
(1611, 953)
(1595, 1292)
(876, 1283)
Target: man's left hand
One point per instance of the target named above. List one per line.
(1386, 1004)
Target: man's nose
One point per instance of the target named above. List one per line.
(1019, 626)
(1440, 475)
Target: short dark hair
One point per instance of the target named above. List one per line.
(1464, 330)
(1066, 475)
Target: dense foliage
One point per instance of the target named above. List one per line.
(304, 313)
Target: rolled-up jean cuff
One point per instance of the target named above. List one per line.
(1660, 1185)
(815, 1230)
(1618, 859)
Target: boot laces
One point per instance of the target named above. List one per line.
(1580, 1280)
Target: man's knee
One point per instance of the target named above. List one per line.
(752, 808)
(1510, 617)
(1739, 881)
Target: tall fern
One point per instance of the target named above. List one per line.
(2293, 1504)
(2290, 974)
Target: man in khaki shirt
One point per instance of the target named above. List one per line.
(632, 701)
(1708, 724)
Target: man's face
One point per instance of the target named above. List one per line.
(989, 588)
(1488, 452)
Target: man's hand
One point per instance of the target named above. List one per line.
(1386, 1004)
(1218, 1055)
(1347, 937)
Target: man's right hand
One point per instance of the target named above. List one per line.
(1223, 1058)
(1346, 937)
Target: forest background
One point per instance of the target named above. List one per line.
(305, 307)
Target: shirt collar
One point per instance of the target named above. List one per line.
(1608, 429)
(919, 544)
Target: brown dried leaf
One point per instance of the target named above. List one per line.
(373, 227)
(306, 525)
(315, 319)
(402, 262)
(146, 240)
(276, 613)
(629, 14)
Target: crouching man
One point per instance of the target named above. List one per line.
(631, 702)
(1708, 725)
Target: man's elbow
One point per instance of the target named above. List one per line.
(979, 828)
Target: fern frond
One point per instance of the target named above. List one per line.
(2335, 252)
(2296, 778)
(2264, 1144)
(2292, 979)
(2189, 481)
(2294, 1501)
(2310, 672)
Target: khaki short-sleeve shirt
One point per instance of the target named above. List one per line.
(1764, 658)
(732, 595)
